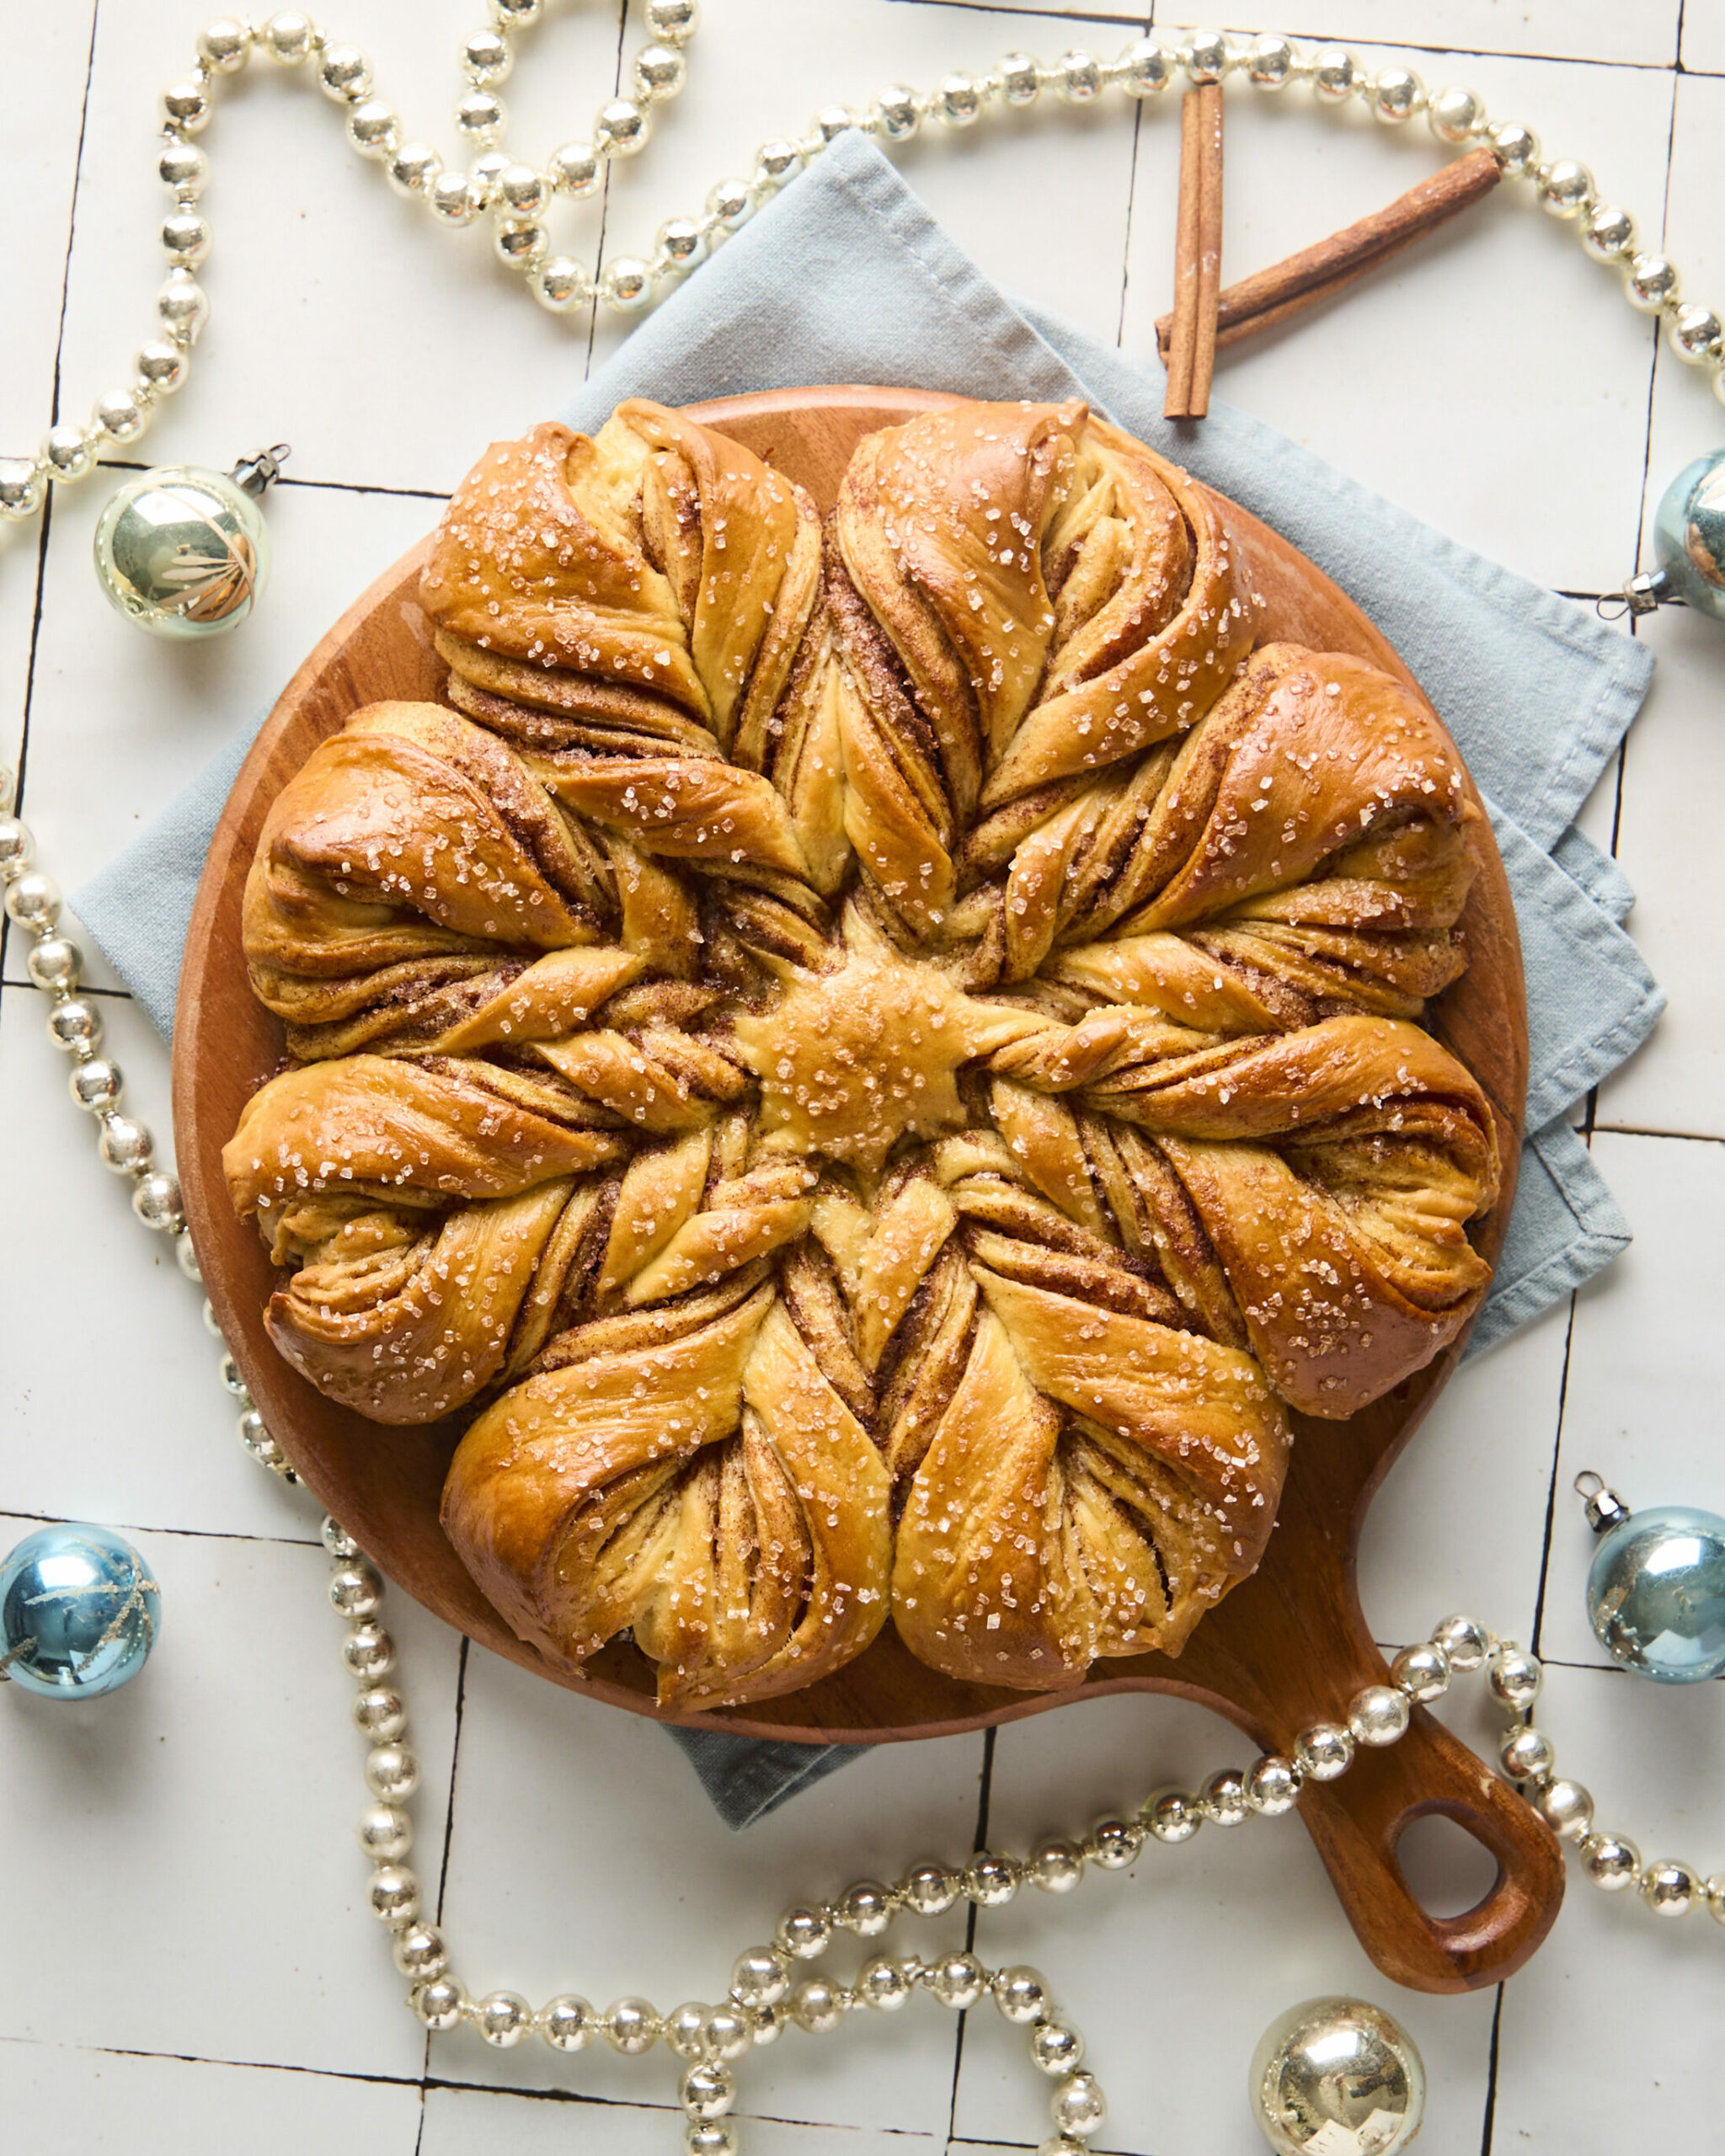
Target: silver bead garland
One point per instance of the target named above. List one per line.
(765, 1993)
(517, 197)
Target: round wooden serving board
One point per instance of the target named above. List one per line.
(1287, 1647)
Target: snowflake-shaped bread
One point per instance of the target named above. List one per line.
(879, 1057)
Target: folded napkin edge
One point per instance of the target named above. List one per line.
(858, 168)
(1592, 1061)
(1591, 1043)
(746, 1778)
(1601, 1234)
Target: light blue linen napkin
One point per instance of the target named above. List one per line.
(846, 278)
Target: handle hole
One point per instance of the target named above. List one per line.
(1448, 1872)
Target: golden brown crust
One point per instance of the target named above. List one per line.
(881, 1062)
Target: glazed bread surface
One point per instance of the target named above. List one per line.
(875, 1056)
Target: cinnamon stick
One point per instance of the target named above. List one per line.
(1191, 345)
(1275, 295)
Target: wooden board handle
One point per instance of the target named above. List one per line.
(1357, 1822)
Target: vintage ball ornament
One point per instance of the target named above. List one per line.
(1689, 544)
(184, 552)
(1338, 2076)
(79, 1613)
(1656, 1588)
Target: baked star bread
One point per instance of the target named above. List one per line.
(875, 1059)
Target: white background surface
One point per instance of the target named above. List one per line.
(185, 1963)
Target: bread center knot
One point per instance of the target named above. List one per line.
(851, 1061)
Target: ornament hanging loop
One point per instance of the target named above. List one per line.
(1605, 1509)
(1641, 595)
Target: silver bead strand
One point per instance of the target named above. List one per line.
(517, 194)
(630, 284)
(54, 964)
(764, 1997)
(1564, 189)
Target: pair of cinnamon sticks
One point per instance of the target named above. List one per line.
(1206, 319)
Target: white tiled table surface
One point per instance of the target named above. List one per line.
(183, 1962)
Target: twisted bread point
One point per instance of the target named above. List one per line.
(656, 577)
(713, 1491)
(881, 1061)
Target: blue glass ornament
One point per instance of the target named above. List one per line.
(183, 552)
(1689, 543)
(1656, 1588)
(78, 1613)
(1688, 534)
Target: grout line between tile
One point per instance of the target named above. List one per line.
(623, 26)
(30, 680)
(1131, 207)
(1539, 1602)
(1130, 18)
(1590, 1118)
(1680, 1137)
(1659, 347)
(23, 981)
(581, 2096)
(984, 1793)
(189, 1534)
(913, 2136)
(77, 174)
(1473, 51)
(206, 2058)
(454, 1754)
(47, 524)
(1491, 2117)
(321, 486)
(1387, 1647)
(1322, 37)
(427, 2080)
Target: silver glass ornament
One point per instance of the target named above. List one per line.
(1656, 1588)
(183, 552)
(1689, 543)
(1337, 2077)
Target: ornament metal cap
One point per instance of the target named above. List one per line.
(1604, 1507)
(261, 469)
